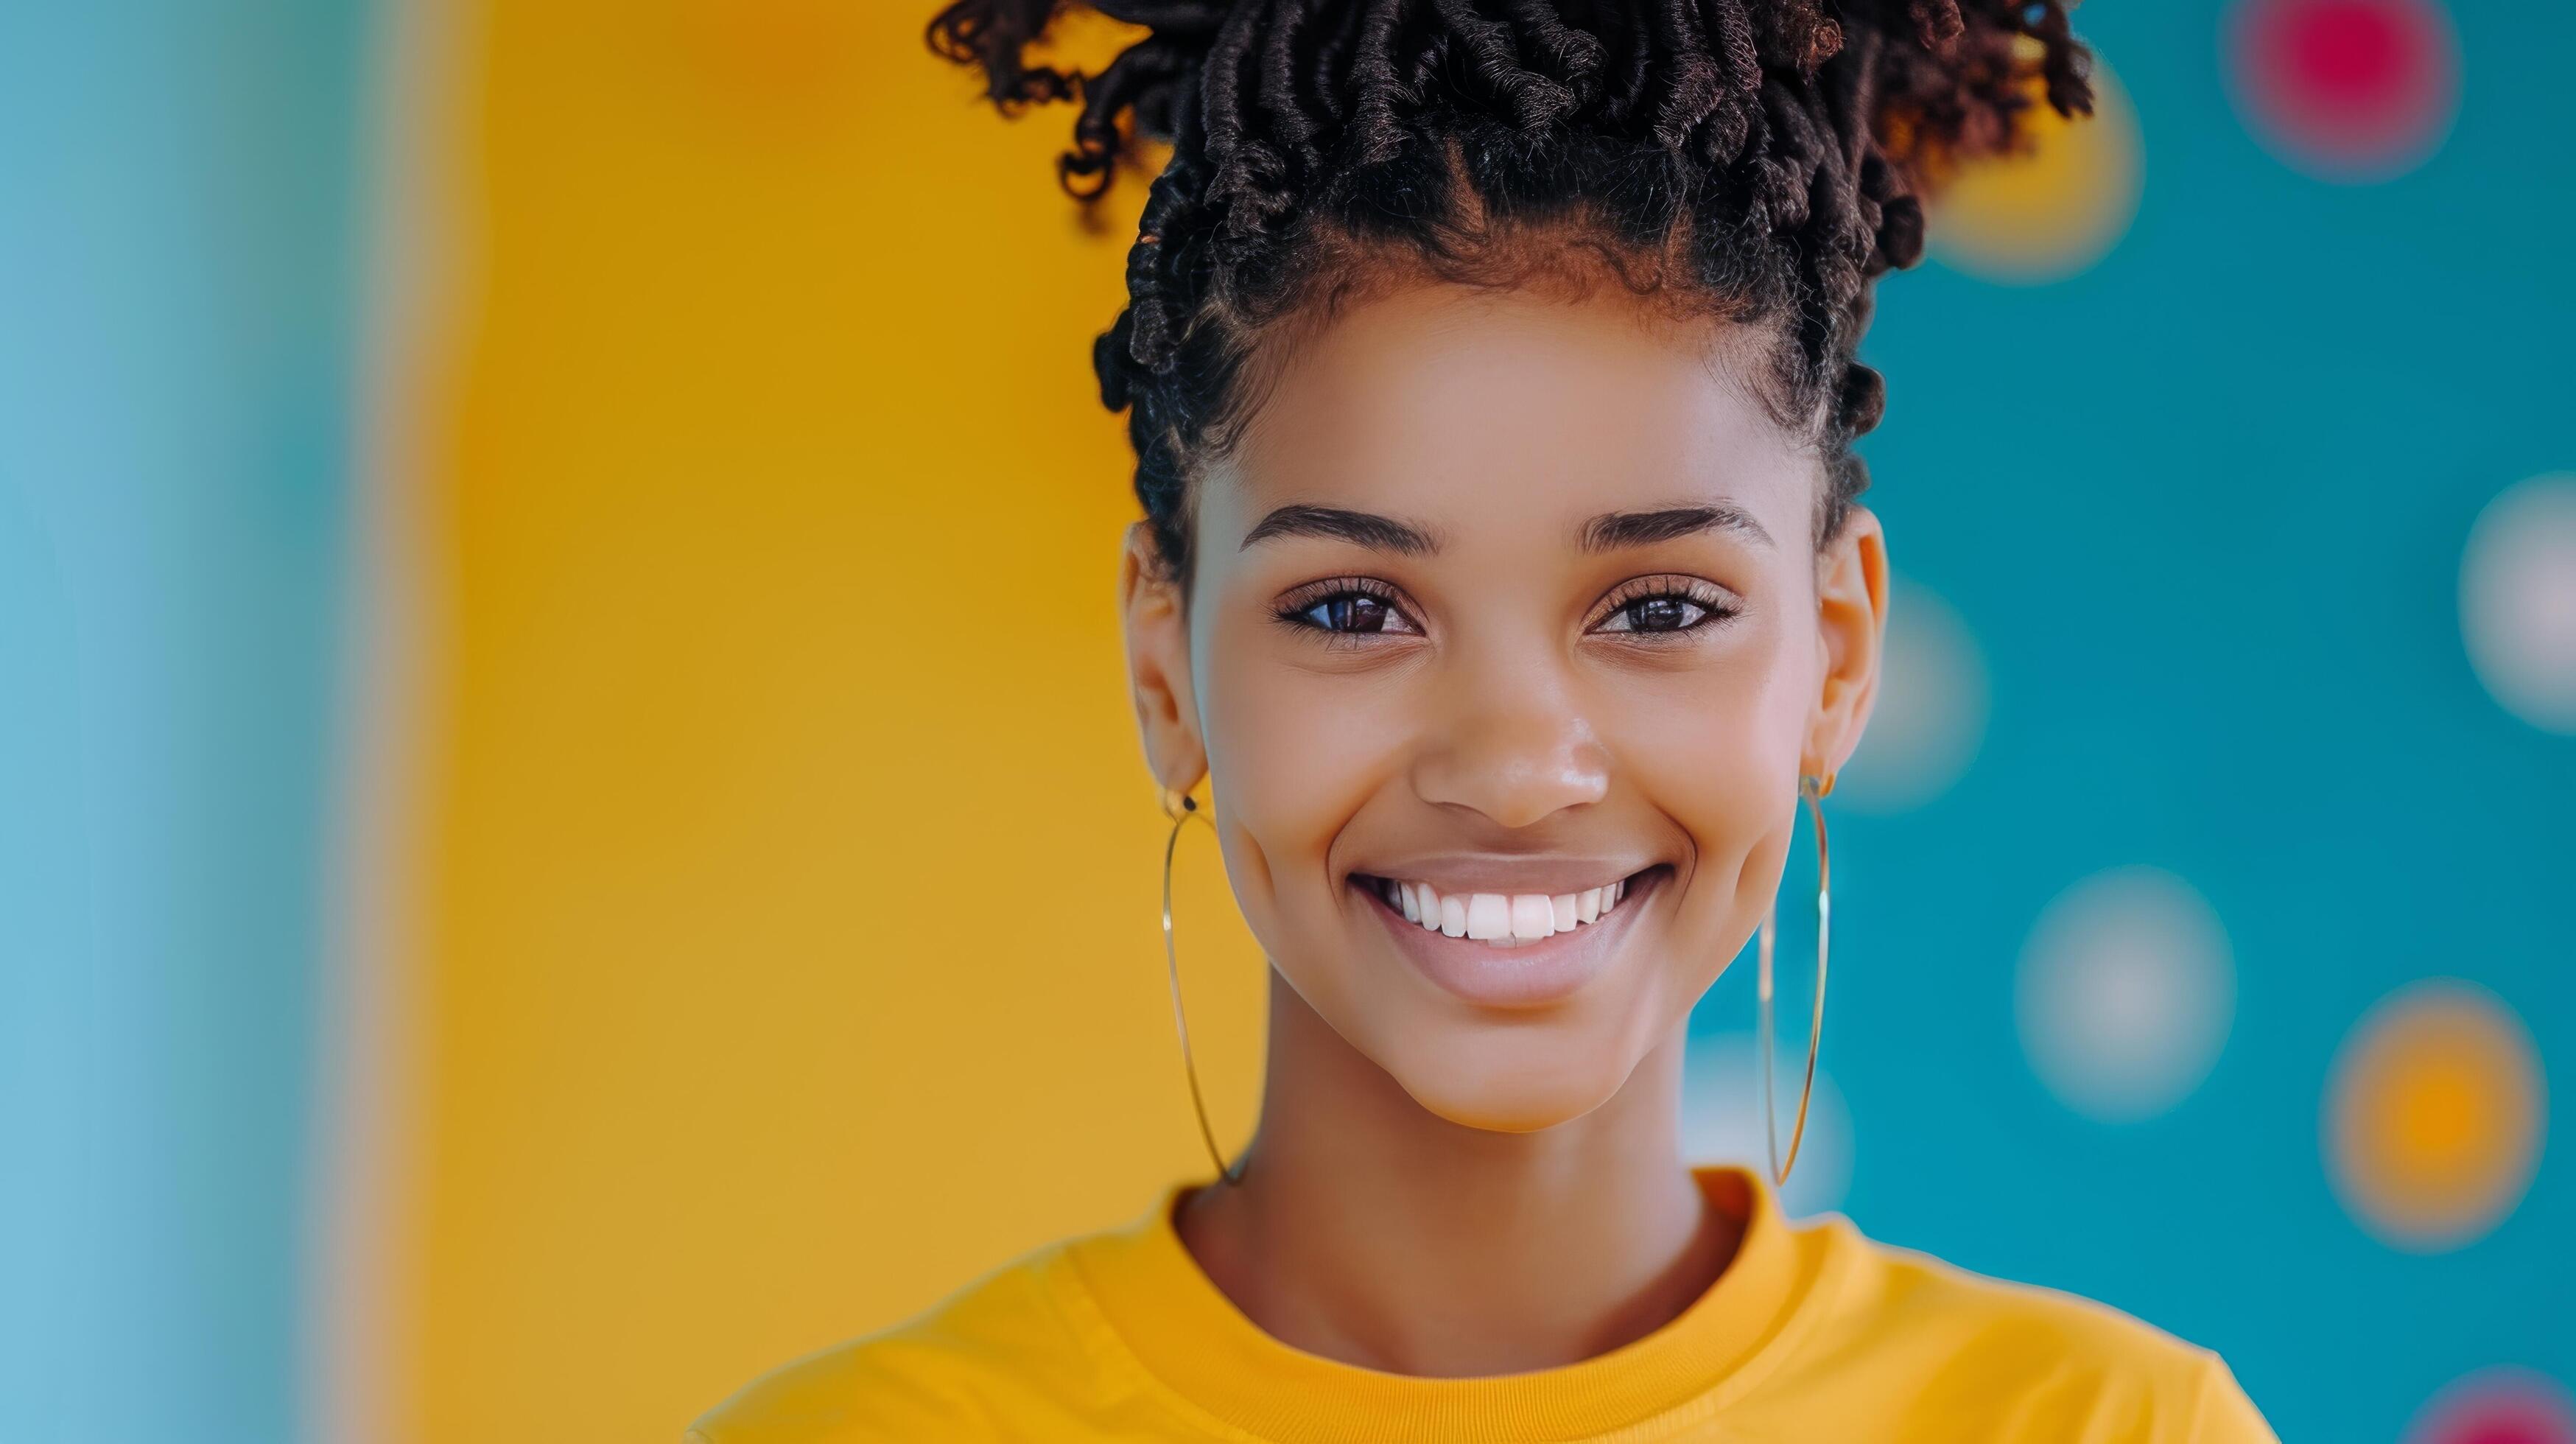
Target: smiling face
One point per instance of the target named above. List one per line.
(1507, 642)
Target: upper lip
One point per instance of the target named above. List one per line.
(1464, 873)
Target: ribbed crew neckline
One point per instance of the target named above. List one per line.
(1193, 1339)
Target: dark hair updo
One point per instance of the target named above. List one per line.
(1756, 160)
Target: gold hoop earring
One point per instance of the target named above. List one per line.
(1180, 807)
(1810, 791)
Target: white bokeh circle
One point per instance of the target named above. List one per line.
(1722, 1118)
(1930, 715)
(2126, 991)
(2518, 600)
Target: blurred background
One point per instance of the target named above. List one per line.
(570, 829)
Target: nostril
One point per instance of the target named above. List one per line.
(1511, 747)
(1513, 792)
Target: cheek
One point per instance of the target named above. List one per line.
(1293, 756)
(1718, 751)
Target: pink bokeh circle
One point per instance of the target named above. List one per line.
(2349, 90)
(2501, 1405)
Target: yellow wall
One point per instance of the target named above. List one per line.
(790, 942)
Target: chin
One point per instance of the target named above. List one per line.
(1519, 1085)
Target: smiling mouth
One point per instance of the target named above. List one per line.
(1502, 920)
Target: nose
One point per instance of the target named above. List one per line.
(1513, 746)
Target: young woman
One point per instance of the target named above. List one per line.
(1489, 365)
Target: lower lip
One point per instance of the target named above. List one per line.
(1534, 974)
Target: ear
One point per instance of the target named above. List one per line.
(1158, 663)
(1851, 638)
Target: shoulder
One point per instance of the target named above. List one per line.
(2065, 1366)
(988, 1362)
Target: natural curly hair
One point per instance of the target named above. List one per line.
(1760, 161)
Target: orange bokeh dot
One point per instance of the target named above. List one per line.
(2433, 1115)
(2052, 209)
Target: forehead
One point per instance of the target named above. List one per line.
(1461, 404)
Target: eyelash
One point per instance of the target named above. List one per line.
(1712, 602)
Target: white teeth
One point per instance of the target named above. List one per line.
(1532, 915)
(1501, 917)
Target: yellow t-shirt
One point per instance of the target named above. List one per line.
(1812, 1333)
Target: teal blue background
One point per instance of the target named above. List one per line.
(2202, 506)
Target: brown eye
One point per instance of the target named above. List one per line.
(1657, 614)
(1660, 614)
(1348, 609)
(1353, 612)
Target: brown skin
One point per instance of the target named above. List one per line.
(1440, 1185)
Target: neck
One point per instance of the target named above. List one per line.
(1371, 1231)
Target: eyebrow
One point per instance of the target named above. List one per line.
(1366, 528)
(1615, 529)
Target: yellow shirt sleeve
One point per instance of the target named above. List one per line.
(2224, 1415)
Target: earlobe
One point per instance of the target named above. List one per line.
(1158, 663)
